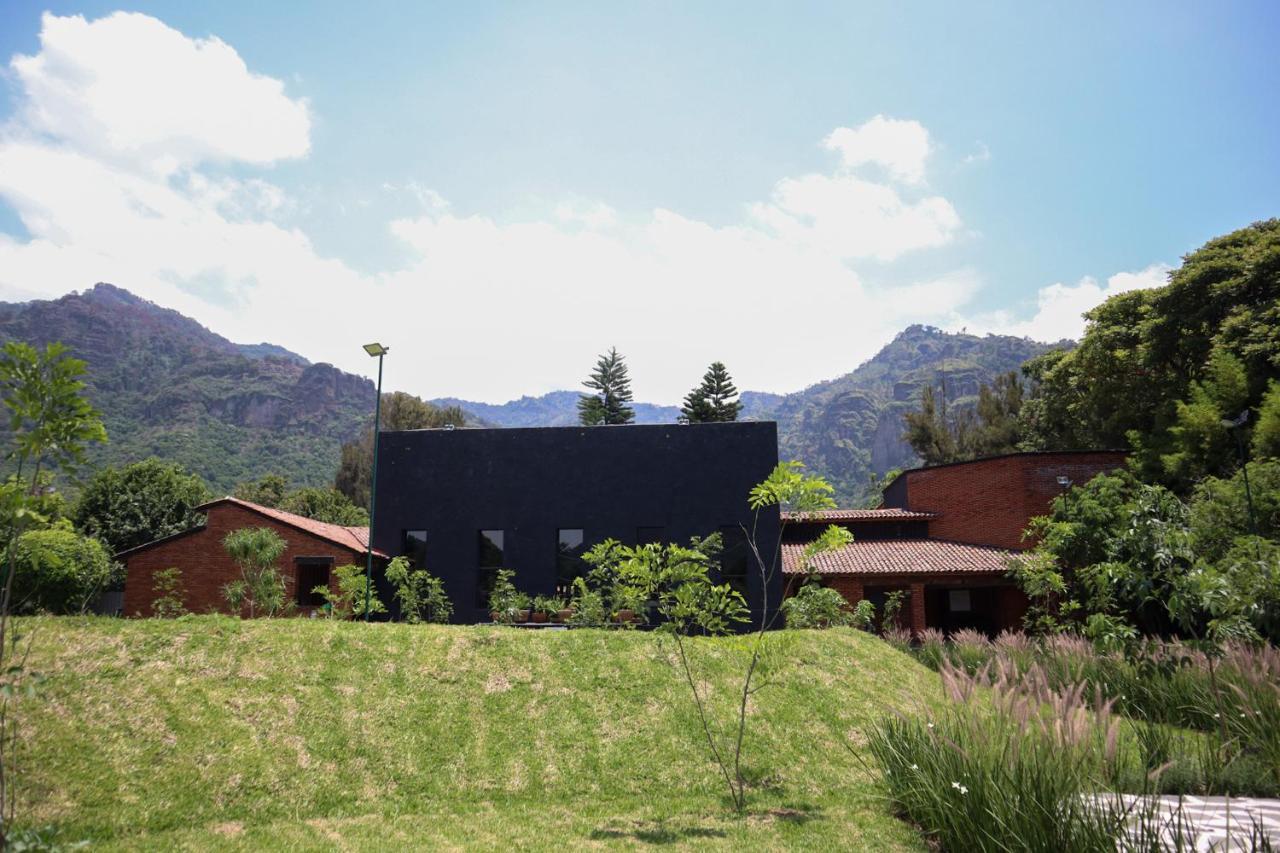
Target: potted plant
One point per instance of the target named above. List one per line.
(628, 604)
(545, 608)
(502, 597)
(519, 607)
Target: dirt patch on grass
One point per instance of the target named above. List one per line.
(497, 683)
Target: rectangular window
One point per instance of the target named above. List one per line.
(735, 558)
(569, 565)
(489, 560)
(650, 535)
(311, 572)
(414, 547)
(960, 601)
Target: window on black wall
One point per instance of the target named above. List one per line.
(490, 557)
(569, 564)
(735, 558)
(415, 547)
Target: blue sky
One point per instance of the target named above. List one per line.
(502, 191)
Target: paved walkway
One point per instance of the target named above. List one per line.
(1217, 824)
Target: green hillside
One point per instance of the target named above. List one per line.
(213, 732)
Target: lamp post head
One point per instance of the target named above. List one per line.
(376, 350)
(1065, 482)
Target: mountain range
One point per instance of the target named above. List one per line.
(171, 388)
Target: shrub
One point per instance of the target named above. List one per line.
(421, 594)
(255, 550)
(170, 593)
(588, 606)
(352, 595)
(815, 606)
(59, 571)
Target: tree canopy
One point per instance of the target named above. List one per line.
(130, 506)
(714, 400)
(612, 386)
(988, 428)
(1161, 370)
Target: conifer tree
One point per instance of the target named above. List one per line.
(715, 400)
(612, 386)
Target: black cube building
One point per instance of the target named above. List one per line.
(466, 502)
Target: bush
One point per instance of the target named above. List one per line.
(59, 571)
(815, 606)
(170, 594)
(421, 595)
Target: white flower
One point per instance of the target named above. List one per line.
(915, 766)
(931, 725)
(961, 788)
(1215, 716)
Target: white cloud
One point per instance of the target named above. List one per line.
(901, 147)
(106, 166)
(127, 87)
(1060, 307)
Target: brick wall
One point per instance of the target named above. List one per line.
(990, 501)
(206, 567)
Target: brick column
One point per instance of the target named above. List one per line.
(917, 609)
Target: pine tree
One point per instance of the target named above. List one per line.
(715, 400)
(613, 391)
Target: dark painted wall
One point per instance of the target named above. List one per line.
(689, 480)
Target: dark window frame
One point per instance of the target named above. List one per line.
(305, 579)
(486, 566)
(414, 548)
(569, 562)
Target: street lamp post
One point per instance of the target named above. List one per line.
(378, 351)
(1235, 424)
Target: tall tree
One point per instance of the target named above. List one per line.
(400, 411)
(50, 423)
(989, 428)
(130, 506)
(613, 391)
(268, 490)
(715, 400)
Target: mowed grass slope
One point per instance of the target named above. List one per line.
(215, 732)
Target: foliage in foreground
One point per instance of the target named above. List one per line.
(1014, 764)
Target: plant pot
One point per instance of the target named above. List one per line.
(522, 615)
(565, 615)
(539, 617)
(495, 616)
(624, 616)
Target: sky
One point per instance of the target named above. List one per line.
(500, 192)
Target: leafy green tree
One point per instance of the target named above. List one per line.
(421, 595)
(170, 594)
(715, 400)
(400, 411)
(991, 427)
(349, 600)
(612, 386)
(260, 587)
(59, 571)
(328, 505)
(1220, 512)
(139, 503)
(1266, 436)
(1168, 354)
(50, 424)
(268, 490)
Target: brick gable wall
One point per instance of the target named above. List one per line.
(990, 502)
(206, 568)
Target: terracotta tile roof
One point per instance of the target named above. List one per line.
(355, 538)
(903, 557)
(827, 515)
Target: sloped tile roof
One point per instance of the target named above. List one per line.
(828, 515)
(902, 557)
(355, 538)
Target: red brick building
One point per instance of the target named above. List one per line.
(945, 535)
(314, 549)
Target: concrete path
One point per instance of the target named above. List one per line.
(1216, 824)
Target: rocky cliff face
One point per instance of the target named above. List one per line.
(169, 387)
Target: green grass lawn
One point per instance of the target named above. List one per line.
(210, 732)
